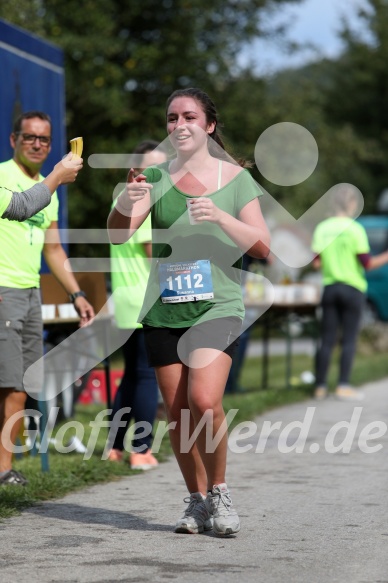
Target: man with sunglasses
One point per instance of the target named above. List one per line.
(21, 246)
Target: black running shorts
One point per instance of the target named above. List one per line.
(172, 345)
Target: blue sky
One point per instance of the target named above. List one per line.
(313, 21)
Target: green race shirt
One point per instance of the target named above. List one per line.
(21, 244)
(338, 241)
(175, 240)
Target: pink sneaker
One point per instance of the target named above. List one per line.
(115, 455)
(143, 461)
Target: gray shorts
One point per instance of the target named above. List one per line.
(21, 337)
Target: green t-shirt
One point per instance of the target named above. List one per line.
(21, 243)
(176, 241)
(130, 268)
(338, 241)
(5, 199)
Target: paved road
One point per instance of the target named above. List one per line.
(277, 347)
(306, 517)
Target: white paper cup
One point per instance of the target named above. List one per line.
(289, 294)
(310, 294)
(67, 311)
(48, 311)
(192, 220)
(278, 294)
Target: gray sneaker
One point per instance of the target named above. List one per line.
(13, 478)
(196, 517)
(225, 517)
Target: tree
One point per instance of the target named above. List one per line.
(357, 95)
(122, 61)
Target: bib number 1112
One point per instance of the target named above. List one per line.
(197, 278)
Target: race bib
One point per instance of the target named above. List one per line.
(189, 281)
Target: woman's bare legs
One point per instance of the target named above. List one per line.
(205, 392)
(172, 380)
(198, 389)
(206, 388)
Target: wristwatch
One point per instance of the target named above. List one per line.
(77, 294)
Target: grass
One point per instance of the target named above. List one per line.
(70, 472)
(67, 473)
(255, 401)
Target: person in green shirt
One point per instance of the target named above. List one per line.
(19, 206)
(342, 252)
(205, 214)
(138, 389)
(21, 247)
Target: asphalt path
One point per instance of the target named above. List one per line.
(277, 347)
(311, 494)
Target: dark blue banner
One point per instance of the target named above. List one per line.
(32, 77)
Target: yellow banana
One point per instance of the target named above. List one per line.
(76, 146)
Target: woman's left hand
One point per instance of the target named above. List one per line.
(203, 209)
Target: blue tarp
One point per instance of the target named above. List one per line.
(32, 77)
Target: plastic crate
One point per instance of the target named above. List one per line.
(95, 389)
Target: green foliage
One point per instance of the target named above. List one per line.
(123, 60)
(24, 13)
(67, 472)
(357, 96)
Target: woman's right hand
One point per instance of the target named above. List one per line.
(125, 218)
(137, 187)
